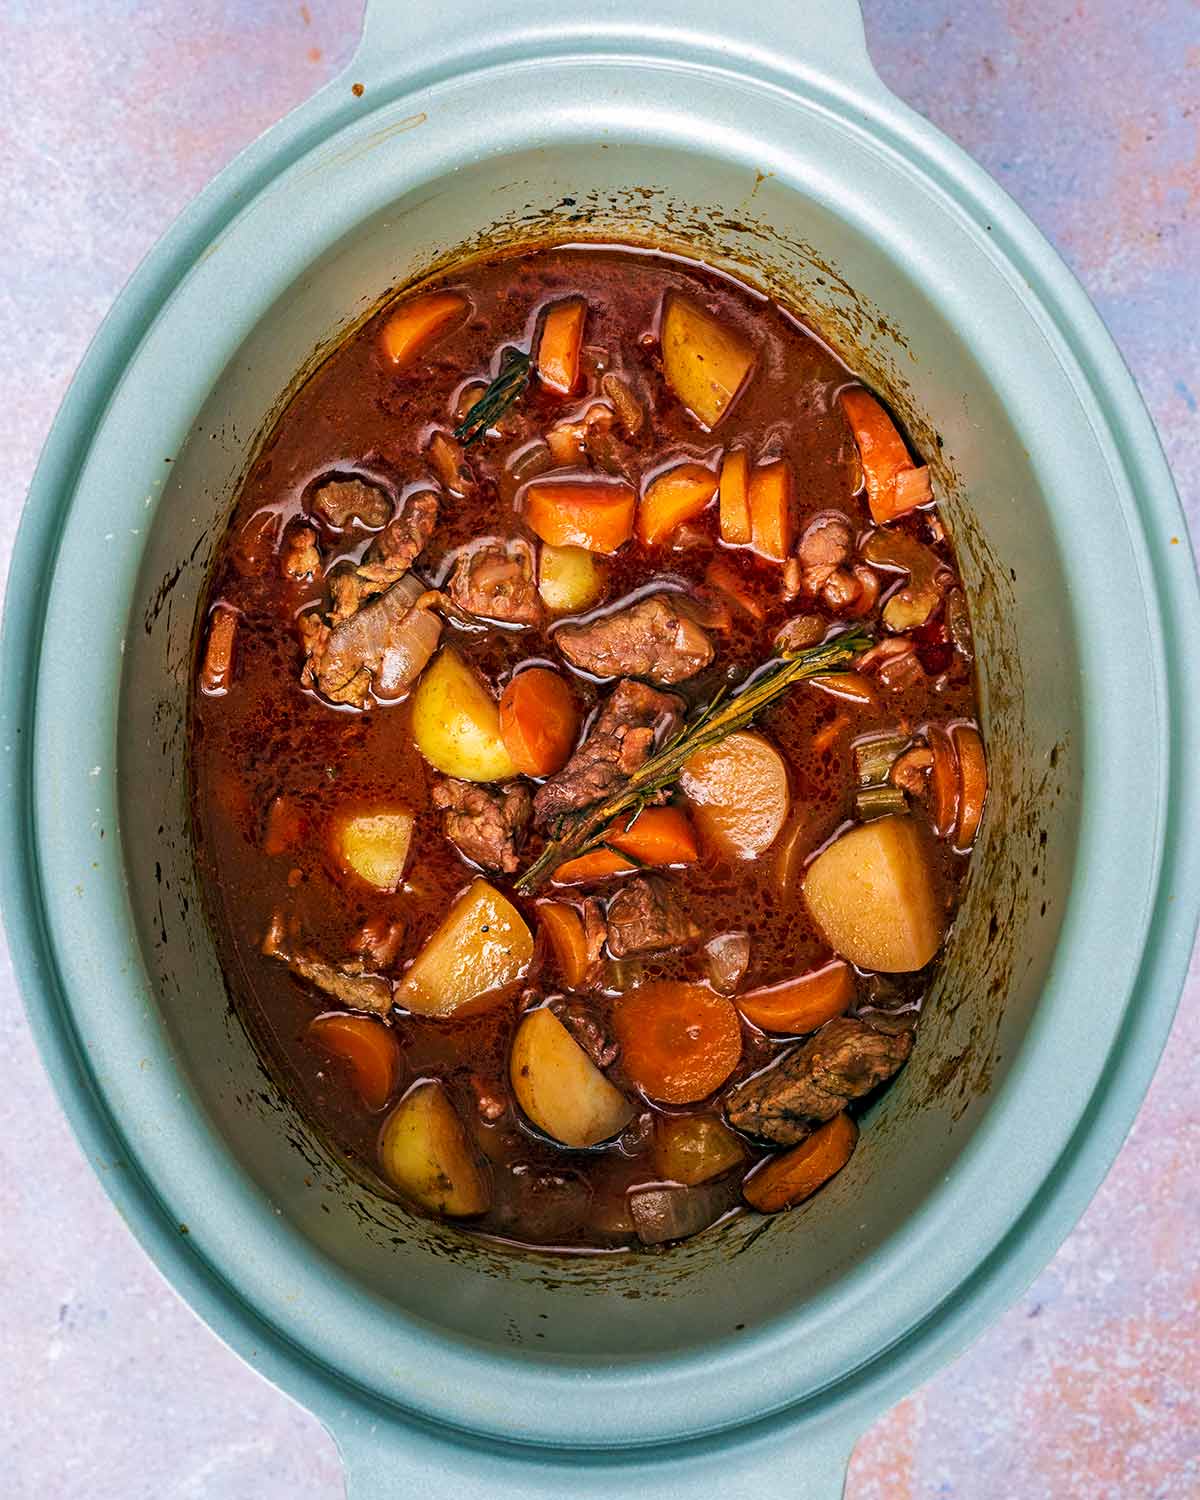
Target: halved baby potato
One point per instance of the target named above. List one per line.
(456, 722)
(375, 845)
(739, 794)
(482, 945)
(871, 892)
(570, 579)
(705, 362)
(560, 1088)
(424, 1151)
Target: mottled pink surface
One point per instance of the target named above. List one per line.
(114, 115)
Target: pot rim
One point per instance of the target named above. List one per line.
(1085, 1154)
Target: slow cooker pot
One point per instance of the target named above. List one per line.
(752, 1358)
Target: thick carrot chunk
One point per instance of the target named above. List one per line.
(415, 324)
(560, 345)
(592, 513)
(894, 483)
(538, 721)
(563, 926)
(674, 497)
(679, 1042)
(784, 1180)
(735, 497)
(801, 1004)
(771, 488)
(658, 836)
(368, 1047)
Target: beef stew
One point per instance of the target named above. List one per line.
(585, 758)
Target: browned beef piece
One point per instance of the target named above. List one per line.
(348, 983)
(648, 916)
(495, 581)
(589, 1031)
(653, 638)
(388, 557)
(633, 720)
(382, 647)
(300, 558)
(338, 501)
(673, 1212)
(812, 1083)
(484, 823)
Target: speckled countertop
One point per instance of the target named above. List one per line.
(114, 114)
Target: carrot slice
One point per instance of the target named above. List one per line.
(658, 836)
(560, 345)
(719, 575)
(538, 721)
(735, 497)
(417, 323)
(913, 488)
(972, 783)
(771, 487)
(370, 1049)
(674, 497)
(850, 685)
(943, 782)
(885, 457)
(286, 825)
(784, 1180)
(216, 671)
(594, 865)
(679, 1042)
(564, 927)
(801, 1004)
(592, 513)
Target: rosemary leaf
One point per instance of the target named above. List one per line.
(499, 396)
(721, 717)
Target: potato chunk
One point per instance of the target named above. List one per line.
(560, 1088)
(706, 363)
(693, 1148)
(482, 945)
(739, 793)
(871, 893)
(375, 846)
(456, 722)
(424, 1150)
(569, 579)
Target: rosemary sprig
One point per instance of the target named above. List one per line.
(725, 714)
(499, 396)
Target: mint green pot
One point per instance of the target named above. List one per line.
(750, 1361)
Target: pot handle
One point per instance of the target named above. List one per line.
(425, 43)
(387, 1459)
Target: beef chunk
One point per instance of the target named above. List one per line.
(812, 1083)
(648, 916)
(653, 638)
(589, 1031)
(673, 1212)
(300, 558)
(633, 720)
(403, 540)
(495, 581)
(337, 502)
(485, 824)
(388, 557)
(348, 983)
(382, 647)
